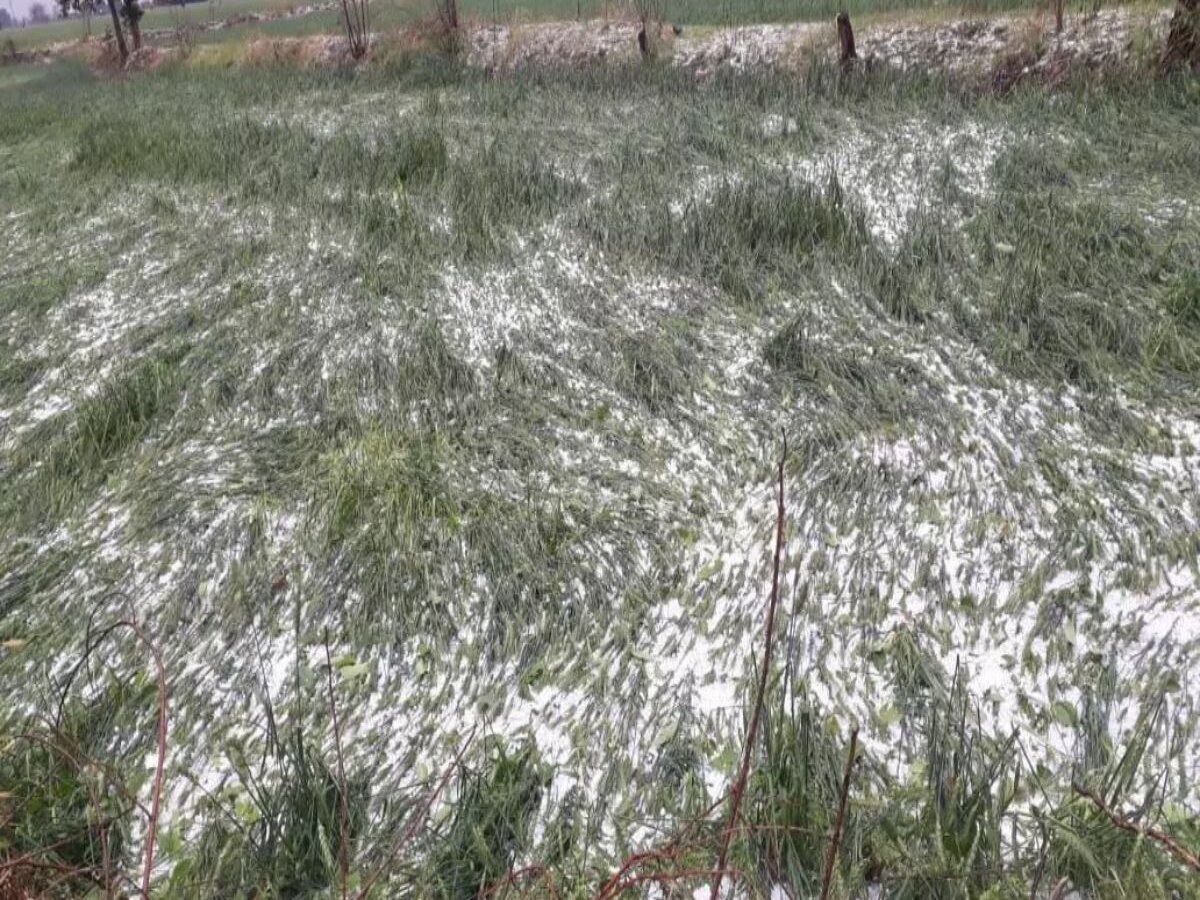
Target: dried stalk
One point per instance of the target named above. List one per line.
(739, 786)
(840, 823)
(1179, 852)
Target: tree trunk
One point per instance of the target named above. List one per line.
(845, 39)
(1058, 16)
(353, 31)
(117, 32)
(1183, 41)
(136, 30)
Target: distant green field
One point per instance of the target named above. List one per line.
(156, 17)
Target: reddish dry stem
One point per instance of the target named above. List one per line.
(667, 877)
(667, 851)
(1180, 853)
(152, 815)
(343, 811)
(739, 786)
(840, 823)
(535, 870)
(416, 819)
(161, 764)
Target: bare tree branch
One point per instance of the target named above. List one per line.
(840, 823)
(1179, 852)
(739, 786)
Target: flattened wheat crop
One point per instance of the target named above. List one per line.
(486, 378)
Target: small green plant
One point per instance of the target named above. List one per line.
(58, 809)
(1102, 859)
(71, 782)
(281, 831)
(793, 798)
(495, 805)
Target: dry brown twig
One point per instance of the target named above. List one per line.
(343, 811)
(415, 820)
(739, 786)
(356, 17)
(160, 765)
(840, 823)
(536, 870)
(1181, 853)
(667, 877)
(668, 851)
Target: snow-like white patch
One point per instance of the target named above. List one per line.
(366, 116)
(894, 173)
(774, 125)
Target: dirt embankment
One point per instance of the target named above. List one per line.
(160, 43)
(1018, 45)
(996, 51)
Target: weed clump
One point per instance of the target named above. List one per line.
(492, 818)
(54, 793)
(654, 368)
(1059, 287)
(83, 453)
(857, 393)
(280, 831)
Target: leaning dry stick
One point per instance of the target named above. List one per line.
(739, 786)
(537, 870)
(840, 823)
(343, 812)
(415, 820)
(355, 15)
(117, 32)
(1184, 856)
(668, 851)
(160, 765)
(661, 878)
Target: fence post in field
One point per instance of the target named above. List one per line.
(1183, 41)
(845, 40)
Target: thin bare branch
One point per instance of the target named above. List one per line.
(415, 820)
(739, 786)
(840, 823)
(1179, 852)
(343, 810)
